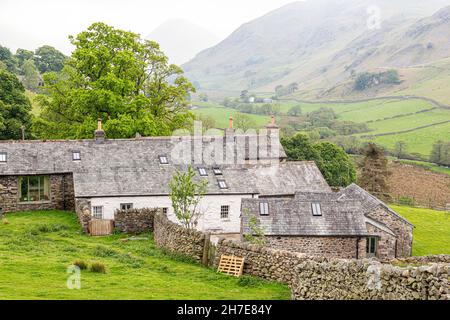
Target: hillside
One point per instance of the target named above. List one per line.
(181, 40)
(321, 44)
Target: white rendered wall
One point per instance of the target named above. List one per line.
(210, 207)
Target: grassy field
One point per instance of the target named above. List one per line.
(431, 232)
(37, 247)
(429, 166)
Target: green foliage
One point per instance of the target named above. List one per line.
(333, 162)
(80, 264)
(440, 153)
(8, 59)
(14, 107)
(119, 77)
(48, 59)
(400, 149)
(335, 165)
(30, 75)
(97, 267)
(295, 111)
(186, 194)
(244, 122)
(203, 97)
(256, 234)
(23, 55)
(367, 80)
(246, 281)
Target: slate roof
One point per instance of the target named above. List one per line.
(369, 202)
(294, 217)
(131, 167)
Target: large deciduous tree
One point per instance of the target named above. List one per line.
(49, 59)
(119, 77)
(14, 107)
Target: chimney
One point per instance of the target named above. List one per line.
(99, 133)
(230, 130)
(272, 126)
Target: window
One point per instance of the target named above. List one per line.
(316, 210)
(202, 172)
(163, 160)
(217, 171)
(264, 208)
(165, 210)
(224, 211)
(222, 184)
(34, 189)
(76, 156)
(3, 157)
(371, 247)
(97, 212)
(126, 206)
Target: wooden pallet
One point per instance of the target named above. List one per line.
(231, 265)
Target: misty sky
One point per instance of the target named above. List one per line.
(29, 24)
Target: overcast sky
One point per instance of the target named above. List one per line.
(29, 24)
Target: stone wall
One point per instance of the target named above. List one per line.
(440, 258)
(327, 278)
(61, 194)
(402, 230)
(369, 280)
(332, 247)
(175, 238)
(135, 220)
(83, 210)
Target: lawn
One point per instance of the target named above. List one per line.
(37, 247)
(431, 232)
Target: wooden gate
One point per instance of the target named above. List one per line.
(99, 227)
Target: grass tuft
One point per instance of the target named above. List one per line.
(98, 267)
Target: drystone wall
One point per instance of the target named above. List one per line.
(176, 239)
(135, 220)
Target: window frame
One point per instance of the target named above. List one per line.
(217, 171)
(224, 212)
(165, 210)
(165, 162)
(42, 192)
(316, 209)
(202, 171)
(76, 153)
(3, 155)
(264, 209)
(371, 246)
(126, 204)
(94, 213)
(222, 184)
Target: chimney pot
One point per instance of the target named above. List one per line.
(231, 123)
(99, 133)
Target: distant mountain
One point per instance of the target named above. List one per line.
(321, 43)
(181, 40)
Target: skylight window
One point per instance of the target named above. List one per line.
(163, 160)
(3, 157)
(316, 209)
(222, 184)
(76, 156)
(264, 208)
(217, 171)
(202, 172)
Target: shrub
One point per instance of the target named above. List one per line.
(80, 264)
(98, 267)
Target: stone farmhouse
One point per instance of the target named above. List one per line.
(96, 177)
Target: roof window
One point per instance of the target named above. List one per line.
(222, 184)
(76, 155)
(316, 209)
(217, 171)
(202, 172)
(163, 160)
(3, 157)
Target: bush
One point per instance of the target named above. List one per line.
(80, 264)
(98, 267)
(406, 201)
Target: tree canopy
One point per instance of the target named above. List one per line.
(119, 77)
(331, 160)
(14, 107)
(49, 59)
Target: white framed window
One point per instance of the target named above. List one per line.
(76, 155)
(222, 184)
(316, 209)
(163, 160)
(202, 172)
(217, 171)
(264, 208)
(371, 247)
(97, 212)
(3, 156)
(224, 212)
(165, 210)
(126, 206)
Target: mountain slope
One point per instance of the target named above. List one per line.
(181, 40)
(318, 43)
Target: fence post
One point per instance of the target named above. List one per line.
(205, 256)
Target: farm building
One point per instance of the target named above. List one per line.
(96, 177)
